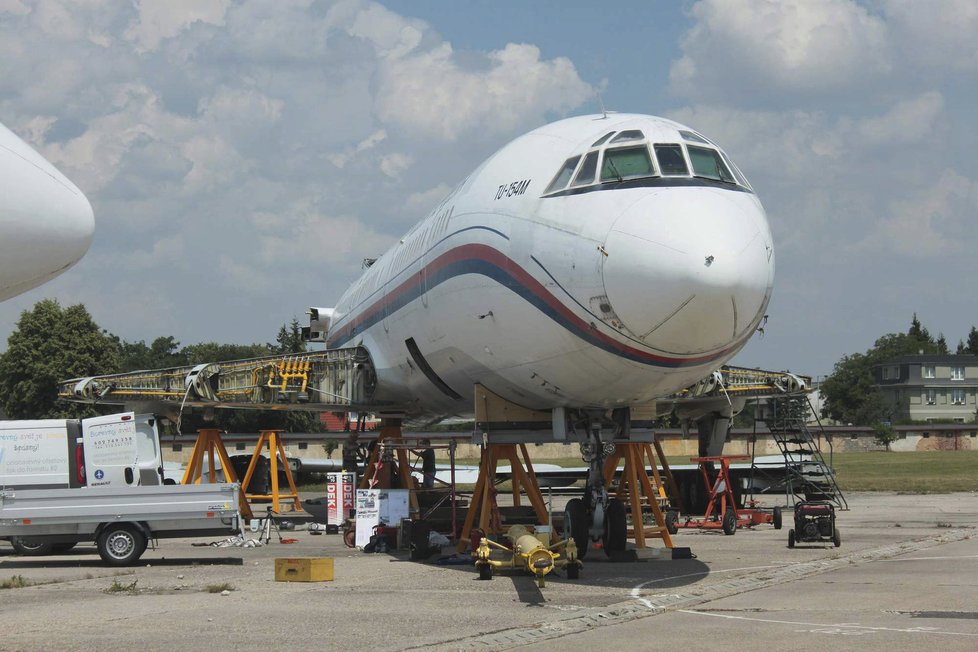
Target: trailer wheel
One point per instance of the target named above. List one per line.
(836, 537)
(615, 527)
(791, 538)
(729, 523)
(777, 517)
(30, 548)
(672, 521)
(121, 545)
(576, 525)
(485, 572)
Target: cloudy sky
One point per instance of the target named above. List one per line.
(243, 157)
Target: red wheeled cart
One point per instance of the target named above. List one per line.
(721, 509)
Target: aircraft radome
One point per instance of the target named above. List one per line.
(46, 223)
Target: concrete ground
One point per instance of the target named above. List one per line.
(905, 575)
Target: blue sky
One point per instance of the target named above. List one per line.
(243, 157)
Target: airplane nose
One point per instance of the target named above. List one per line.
(47, 221)
(690, 270)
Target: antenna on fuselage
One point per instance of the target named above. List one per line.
(604, 111)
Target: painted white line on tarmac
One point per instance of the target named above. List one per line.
(930, 558)
(635, 593)
(833, 628)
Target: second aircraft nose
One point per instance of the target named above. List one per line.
(689, 270)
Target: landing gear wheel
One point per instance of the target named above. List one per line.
(576, 525)
(30, 548)
(573, 571)
(615, 527)
(777, 517)
(672, 521)
(485, 572)
(121, 545)
(729, 523)
(836, 537)
(791, 538)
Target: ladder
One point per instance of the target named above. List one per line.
(807, 476)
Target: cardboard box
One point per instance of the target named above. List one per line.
(304, 569)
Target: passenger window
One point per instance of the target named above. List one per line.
(631, 134)
(586, 174)
(626, 163)
(563, 176)
(671, 160)
(708, 163)
(603, 139)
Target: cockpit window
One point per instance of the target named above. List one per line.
(708, 163)
(741, 179)
(630, 134)
(672, 163)
(693, 138)
(626, 163)
(564, 175)
(603, 139)
(586, 174)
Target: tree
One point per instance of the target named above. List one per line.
(942, 345)
(52, 343)
(162, 353)
(884, 434)
(972, 345)
(289, 339)
(850, 392)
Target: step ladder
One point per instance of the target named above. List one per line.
(807, 475)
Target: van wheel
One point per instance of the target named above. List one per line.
(30, 548)
(121, 545)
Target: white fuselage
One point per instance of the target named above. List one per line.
(580, 294)
(46, 223)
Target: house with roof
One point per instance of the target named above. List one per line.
(929, 388)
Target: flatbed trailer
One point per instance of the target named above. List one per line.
(121, 521)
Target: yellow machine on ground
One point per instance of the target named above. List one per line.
(531, 551)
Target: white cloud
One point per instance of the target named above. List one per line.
(421, 203)
(16, 7)
(394, 36)
(908, 121)
(747, 48)
(936, 222)
(342, 158)
(430, 94)
(937, 34)
(162, 20)
(393, 165)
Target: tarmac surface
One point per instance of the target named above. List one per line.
(905, 576)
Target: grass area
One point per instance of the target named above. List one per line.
(15, 582)
(916, 472)
(932, 472)
(119, 587)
